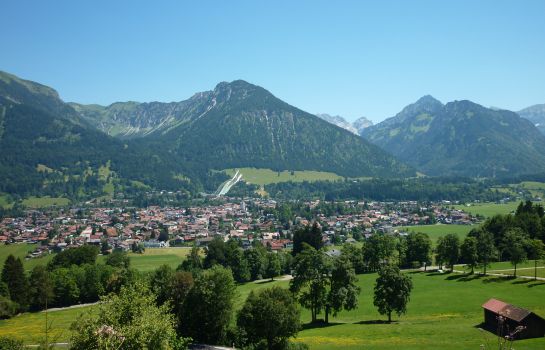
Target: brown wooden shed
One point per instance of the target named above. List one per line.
(514, 316)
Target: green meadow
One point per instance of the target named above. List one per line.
(488, 209)
(444, 313)
(43, 202)
(436, 231)
(155, 257)
(268, 176)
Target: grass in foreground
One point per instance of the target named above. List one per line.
(444, 313)
(268, 176)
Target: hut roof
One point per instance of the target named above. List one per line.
(507, 310)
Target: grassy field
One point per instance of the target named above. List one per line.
(488, 209)
(5, 201)
(506, 268)
(444, 313)
(155, 257)
(267, 176)
(42, 202)
(436, 231)
(149, 261)
(30, 327)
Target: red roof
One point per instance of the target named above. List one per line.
(494, 305)
(507, 310)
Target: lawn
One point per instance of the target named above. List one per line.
(42, 202)
(436, 231)
(267, 176)
(149, 261)
(488, 209)
(444, 313)
(155, 257)
(20, 251)
(30, 327)
(506, 268)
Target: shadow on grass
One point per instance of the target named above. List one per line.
(522, 281)
(498, 279)
(375, 322)
(536, 284)
(319, 324)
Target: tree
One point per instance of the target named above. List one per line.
(13, 275)
(343, 293)
(309, 235)
(354, 254)
(181, 284)
(65, 288)
(40, 289)
(209, 305)
(310, 280)
(448, 250)
(418, 249)
(485, 247)
(392, 291)
(235, 259)
(160, 282)
(163, 236)
(129, 320)
(86, 254)
(104, 247)
(274, 268)
(194, 261)
(469, 252)
(515, 241)
(256, 262)
(215, 253)
(376, 251)
(536, 251)
(270, 315)
(118, 259)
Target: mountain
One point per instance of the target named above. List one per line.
(46, 148)
(356, 127)
(55, 148)
(339, 121)
(244, 125)
(535, 114)
(461, 138)
(133, 119)
(361, 123)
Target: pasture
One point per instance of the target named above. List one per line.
(268, 176)
(488, 209)
(155, 257)
(43, 202)
(444, 313)
(436, 231)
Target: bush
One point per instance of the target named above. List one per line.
(7, 343)
(8, 309)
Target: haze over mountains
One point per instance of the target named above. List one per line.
(535, 114)
(356, 127)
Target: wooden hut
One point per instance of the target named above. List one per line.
(534, 325)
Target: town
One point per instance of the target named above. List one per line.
(128, 228)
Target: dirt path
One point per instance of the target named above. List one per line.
(77, 306)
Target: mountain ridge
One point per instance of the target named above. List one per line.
(461, 138)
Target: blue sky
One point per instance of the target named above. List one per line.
(352, 58)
